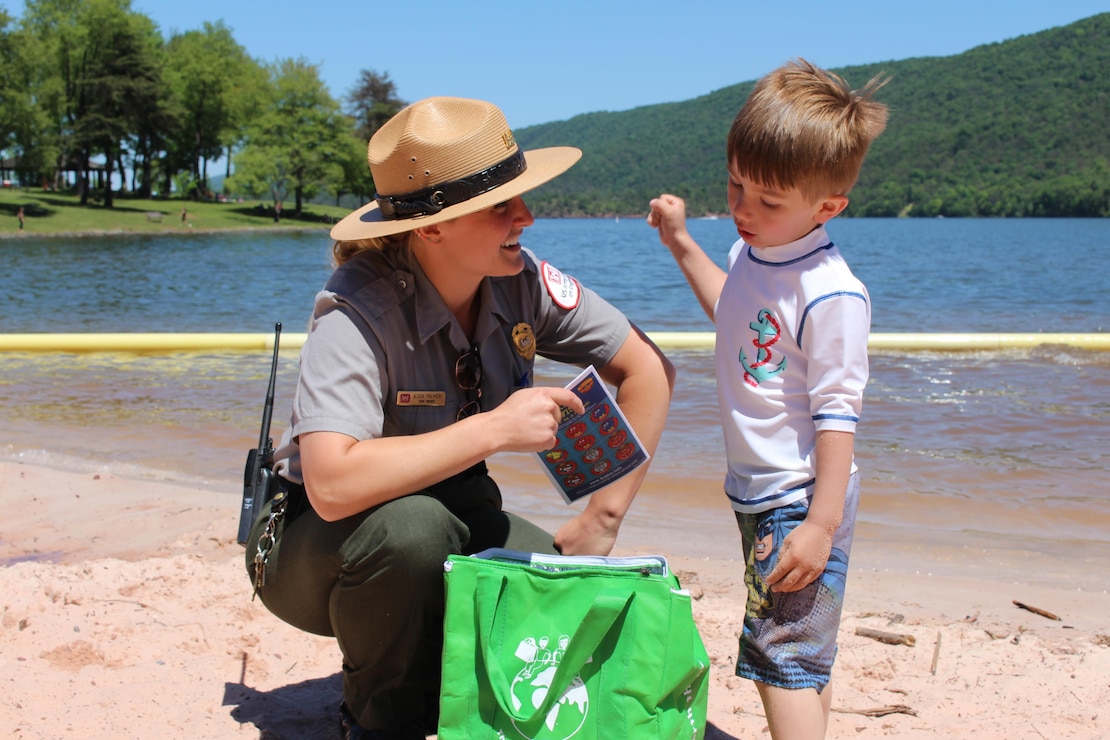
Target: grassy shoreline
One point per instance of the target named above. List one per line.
(61, 214)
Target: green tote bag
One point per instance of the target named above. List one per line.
(541, 647)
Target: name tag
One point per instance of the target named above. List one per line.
(421, 398)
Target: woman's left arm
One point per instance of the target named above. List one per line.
(644, 380)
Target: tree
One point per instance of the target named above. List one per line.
(295, 144)
(8, 80)
(356, 178)
(371, 102)
(50, 47)
(157, 119)
(247, 92)
(206, 71)
(119, 81)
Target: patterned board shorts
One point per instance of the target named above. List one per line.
(789, 639)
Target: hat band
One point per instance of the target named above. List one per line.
(434, 199)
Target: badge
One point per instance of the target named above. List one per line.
(421, 398)
(525, 340)
(562, 288)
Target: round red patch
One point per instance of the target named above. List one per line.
(562, 288)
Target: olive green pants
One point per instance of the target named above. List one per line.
(375, 582)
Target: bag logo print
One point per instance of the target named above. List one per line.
(533, 681)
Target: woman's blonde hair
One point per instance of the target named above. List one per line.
(803, 127)
(343, 251)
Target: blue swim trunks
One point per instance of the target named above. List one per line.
(789, 639)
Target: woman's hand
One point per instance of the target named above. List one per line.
(528, 419)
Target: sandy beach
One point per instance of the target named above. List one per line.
(127, 613)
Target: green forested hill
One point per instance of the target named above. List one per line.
(1017, 128)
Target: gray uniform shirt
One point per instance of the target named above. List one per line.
(379, 359)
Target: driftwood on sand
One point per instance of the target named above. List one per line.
(890, 638)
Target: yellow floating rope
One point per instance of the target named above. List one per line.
(251, 342)
(145, 342)
(921, 342)
(986, 341)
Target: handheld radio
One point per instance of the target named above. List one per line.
(259, 478)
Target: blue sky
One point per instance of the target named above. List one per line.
(549, 61)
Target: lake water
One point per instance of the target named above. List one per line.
(1000, 452)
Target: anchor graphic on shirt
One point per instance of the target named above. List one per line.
(767, 333)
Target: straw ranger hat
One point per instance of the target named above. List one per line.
(441, 158)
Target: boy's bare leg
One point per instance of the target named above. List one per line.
(826, 703)
(795, 714)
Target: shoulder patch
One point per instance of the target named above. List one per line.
(562, 288)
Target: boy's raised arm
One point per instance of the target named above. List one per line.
(706, 278)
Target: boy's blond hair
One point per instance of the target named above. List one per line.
(803, 127)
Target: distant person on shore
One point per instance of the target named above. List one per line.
(418, 366)
(791, 356)
(19, 215)
(277, 212)
(184, 214)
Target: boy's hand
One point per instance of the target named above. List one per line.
(802, 558)
(668, 215)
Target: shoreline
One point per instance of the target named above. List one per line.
(158, 232)
(128, 604)
(674, 515)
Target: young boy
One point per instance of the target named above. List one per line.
(791, 356)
